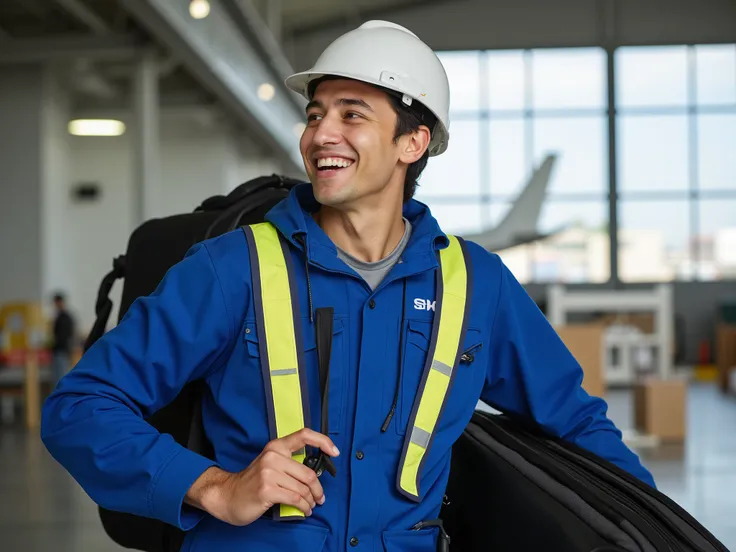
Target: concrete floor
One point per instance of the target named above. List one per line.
(43, 509)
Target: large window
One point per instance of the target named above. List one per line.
(675, 125)
(509, 110)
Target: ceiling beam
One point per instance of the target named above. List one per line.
(245, 14)
(93, 48)
(227, 63)
(364, 14)
(86, 16)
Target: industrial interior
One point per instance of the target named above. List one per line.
(592, 148)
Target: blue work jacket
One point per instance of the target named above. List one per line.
(201, 323)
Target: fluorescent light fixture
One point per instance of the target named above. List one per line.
(266, 92)
(199, 9)
(299, 129)
(96, 127)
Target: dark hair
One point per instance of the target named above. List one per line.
(408, 119)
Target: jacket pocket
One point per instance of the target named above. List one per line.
(338, 365)
(424, 540)
(416, 350)
(263, 535)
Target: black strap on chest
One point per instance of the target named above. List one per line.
(324, 318)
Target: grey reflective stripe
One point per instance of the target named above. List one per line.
(300, 451)
(284, 372)
(442, 368)
(420, 437)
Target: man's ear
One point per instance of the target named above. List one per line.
(414, 145)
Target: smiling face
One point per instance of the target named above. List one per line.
(348, 146)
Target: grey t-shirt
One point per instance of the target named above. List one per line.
(374, 273)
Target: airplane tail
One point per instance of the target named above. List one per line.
(519, 226)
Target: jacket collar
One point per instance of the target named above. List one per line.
(292, 217)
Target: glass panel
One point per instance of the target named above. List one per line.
(653, 241)
(457, 171)
(716, 66)
(570, 77)
(458, 218)
(651, 76)
(717, 243)
(463, 71)
(577, 250)
(581, 144)
(717, 151)
(520, 261)
(506, 158)
(506, 80)
(652, 152)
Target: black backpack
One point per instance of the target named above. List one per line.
(153, 248)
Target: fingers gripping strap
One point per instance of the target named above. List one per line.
(277, 327)
(453, 289)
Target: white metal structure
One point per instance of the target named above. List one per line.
(657, 300)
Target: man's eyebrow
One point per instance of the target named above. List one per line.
(316, 104)
(355, 102)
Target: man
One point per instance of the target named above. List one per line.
(356, 242)
(63, 339)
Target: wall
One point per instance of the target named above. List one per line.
(20, 183)
(56, 201)
(198, 159)
(481, 24)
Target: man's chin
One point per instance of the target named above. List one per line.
(330, 193)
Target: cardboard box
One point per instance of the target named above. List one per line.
(660, 408)
(585, 342)
(725, 354)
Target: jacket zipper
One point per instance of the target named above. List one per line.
(468, 355)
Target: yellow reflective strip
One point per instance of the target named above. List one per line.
(431, 402)
(278, 319)
(452, 314)
(455, 284)
(413, 457)
(286, 511)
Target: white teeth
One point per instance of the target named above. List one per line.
(333, 162)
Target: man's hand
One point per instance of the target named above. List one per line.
(273, 478)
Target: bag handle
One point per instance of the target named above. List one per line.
(103, 306)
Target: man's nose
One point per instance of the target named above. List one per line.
(329, 131)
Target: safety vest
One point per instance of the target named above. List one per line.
(281, 352)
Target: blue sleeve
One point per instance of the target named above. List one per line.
(532, 373)
(93, 423)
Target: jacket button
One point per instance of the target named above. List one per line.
(359, 455)
(353, 541)
(372, 303)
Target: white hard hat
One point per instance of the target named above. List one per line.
(387, 55)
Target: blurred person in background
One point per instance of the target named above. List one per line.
(62, 339)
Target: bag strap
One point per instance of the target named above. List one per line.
(103, 306)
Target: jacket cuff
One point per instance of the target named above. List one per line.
(166, 500)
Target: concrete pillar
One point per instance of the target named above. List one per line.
(146, 145)
(34, 188)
